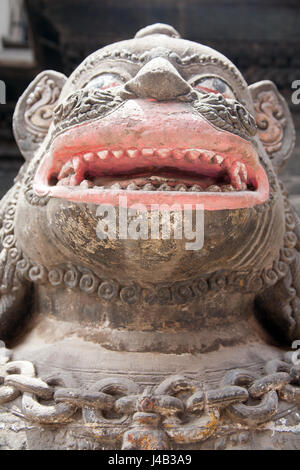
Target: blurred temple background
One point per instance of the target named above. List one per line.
(262, 37)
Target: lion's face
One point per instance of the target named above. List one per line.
(158, 120)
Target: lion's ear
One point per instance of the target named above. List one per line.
(274, 121)
(34, 111)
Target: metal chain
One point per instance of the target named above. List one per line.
(113, 408)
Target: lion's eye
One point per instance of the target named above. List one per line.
(214, 85)
(105, 80)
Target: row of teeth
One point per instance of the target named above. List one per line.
(86, 184)
(191, 155)
(176, 154)
(72, 172)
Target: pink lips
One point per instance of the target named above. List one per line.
(143, 142)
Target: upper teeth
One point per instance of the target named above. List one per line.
(189, 155)
(238, 174)
(217, 159)
(163, 153)
(103, 154)
(66, 170)
(76, 170)
(147, 152)
(132, 153)
(117, 153)
(89, 157)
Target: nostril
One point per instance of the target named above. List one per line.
(158, 79)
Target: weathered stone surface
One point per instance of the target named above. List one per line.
(155, 119)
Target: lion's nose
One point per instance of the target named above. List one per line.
(158, 79)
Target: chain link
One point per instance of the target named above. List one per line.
(216, 398)
(268, 383)
(9, 392)
(82, 398)
(113, 388)
(34, 385)
(175, 409)
(46, 414)
(246, 413)
(289, 392)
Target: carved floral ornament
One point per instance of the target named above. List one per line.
(39, 108)
(270, 120)
(275, 126)
(34, 111)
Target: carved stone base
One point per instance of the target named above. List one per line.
(71, 394)
(17, 434)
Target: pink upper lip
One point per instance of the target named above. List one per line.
(143, 135)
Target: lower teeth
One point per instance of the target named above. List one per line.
(156, 185)
(164, 187)
(86, 184)
(227, 188)
(214, 189)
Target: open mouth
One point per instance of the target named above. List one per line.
(149, 169)
(83, 166)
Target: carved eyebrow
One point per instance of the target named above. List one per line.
(137, 59)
